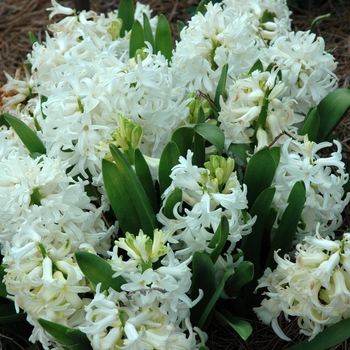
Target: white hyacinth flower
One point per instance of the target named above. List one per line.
(222, 35)
(248, 97)
(207, 195)
(307, 69)
(37, 195)
(323, 178)
(152, 309)
(314, 288)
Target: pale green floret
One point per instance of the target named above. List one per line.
(194, 106)
(140, 53)
(220, 171)
(114, 30)
(128, 137)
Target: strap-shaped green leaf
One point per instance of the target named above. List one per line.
(211, 133)
(164, 40)
(244, 273)
(256, 66)
(259, 174)
(329, 337)
(219, 239)
(210, 307)
(180, 25)
(201, 7)
(276, 155)
(287, 227)
(174, 198)
(242, 327)
(198, 146)
(127, 196)
(183, 137)
(98, 270)
(145, 177)
(148, 31)
(202, 265)
(137, 39)
(317, 19)
(241, 150)
(26, 134)
(331, 109)
(221, 88)
(126, 14)
(311, 125)
(33, 39)
(252, 244)
(69, 338)
(169, 158)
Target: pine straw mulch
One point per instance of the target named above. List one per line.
(18, 17)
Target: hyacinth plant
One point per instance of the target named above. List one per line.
(148, 191)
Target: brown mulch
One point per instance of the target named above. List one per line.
(17, 17)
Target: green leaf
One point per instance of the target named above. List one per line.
(259, 174)
(276, 155)
(252, 243)
(145, 177)
(213, 134)
(331, 109)
(127, 196)
(164, 40)
(201, 7)
(174, 198)
(287, 227)
(8, 313)
(26, 134)
(148, 31)
(328, 338)
(219, 239)
(70, 338)
(317, 19)
(137, 39)
(243, 328)
(3, 291)
(221, 88)
(210, 306)
(203, 347)
(126, 14)
(183, 137)
(98, 270)
(241, 150)
(198, 146)
(33, 39)
(169, 158)
(256, 66)
(202, 265)
(311, 125)
(244, 273)
(180, 25)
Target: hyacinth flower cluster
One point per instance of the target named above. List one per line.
(152, 309)
(129, 169)
(46, 216)
(314, 288)
(207, 194)
(323, 178)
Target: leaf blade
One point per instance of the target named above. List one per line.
(26, 134)
(92, 265)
